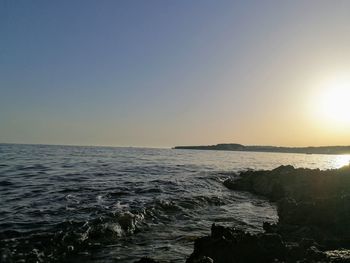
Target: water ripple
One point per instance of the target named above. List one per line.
(101, 204)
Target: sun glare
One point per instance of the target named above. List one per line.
(342, 160)
(333, 102)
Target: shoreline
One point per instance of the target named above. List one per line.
(330, 150)
(313, 226)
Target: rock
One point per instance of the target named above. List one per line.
(309, 201)
(127, 221)
(315, 255)
(146, 260)
(204, 260)
(314, 214)
(313, 208)
(230, 183)
(284, 169)
(232, 245)
(270, 228)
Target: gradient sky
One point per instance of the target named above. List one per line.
(164, 73)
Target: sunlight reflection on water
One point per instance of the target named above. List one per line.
(342, 160)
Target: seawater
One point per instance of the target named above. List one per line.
(108, 204)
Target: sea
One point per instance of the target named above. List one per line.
(113, 204)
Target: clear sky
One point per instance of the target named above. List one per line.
(164, 73)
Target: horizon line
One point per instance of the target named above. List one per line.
(164, 147)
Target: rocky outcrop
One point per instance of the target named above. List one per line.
(306, 198)
(229, 245)
(232, 245)
(314, 215)
(300, 184)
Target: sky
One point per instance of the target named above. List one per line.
(163, 73)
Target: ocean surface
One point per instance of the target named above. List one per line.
(106, 204)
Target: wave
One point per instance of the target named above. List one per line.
(68, 238)
(71, 237)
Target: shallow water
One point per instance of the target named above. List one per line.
(105, 204)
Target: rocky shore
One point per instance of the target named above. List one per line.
(314, 219)
(314, 216)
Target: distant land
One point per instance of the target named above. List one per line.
(243, 148)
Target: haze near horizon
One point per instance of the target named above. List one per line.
(166, 73)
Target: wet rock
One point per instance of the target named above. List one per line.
(229, 245)
(204, 260)
(314, 211)
(127, 221)
(232, 245)
(269, 228)
(315, 255)
(313, 208)
(146, 260)
(230, 183)
(310, 202)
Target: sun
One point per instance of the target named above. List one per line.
(333, 101)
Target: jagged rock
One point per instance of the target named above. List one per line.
(314, 211)
(232, 245)
(310, 201)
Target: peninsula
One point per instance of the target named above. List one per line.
(244, 148)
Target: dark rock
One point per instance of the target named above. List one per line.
(232, 245)
(314, 211)
(270, 228)
(307, 243)
(127, 221)
(204, 260)
(284, 169)
(230, 183)
(314, 215)
(146, 260)
(315, 255)
(309, 201)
